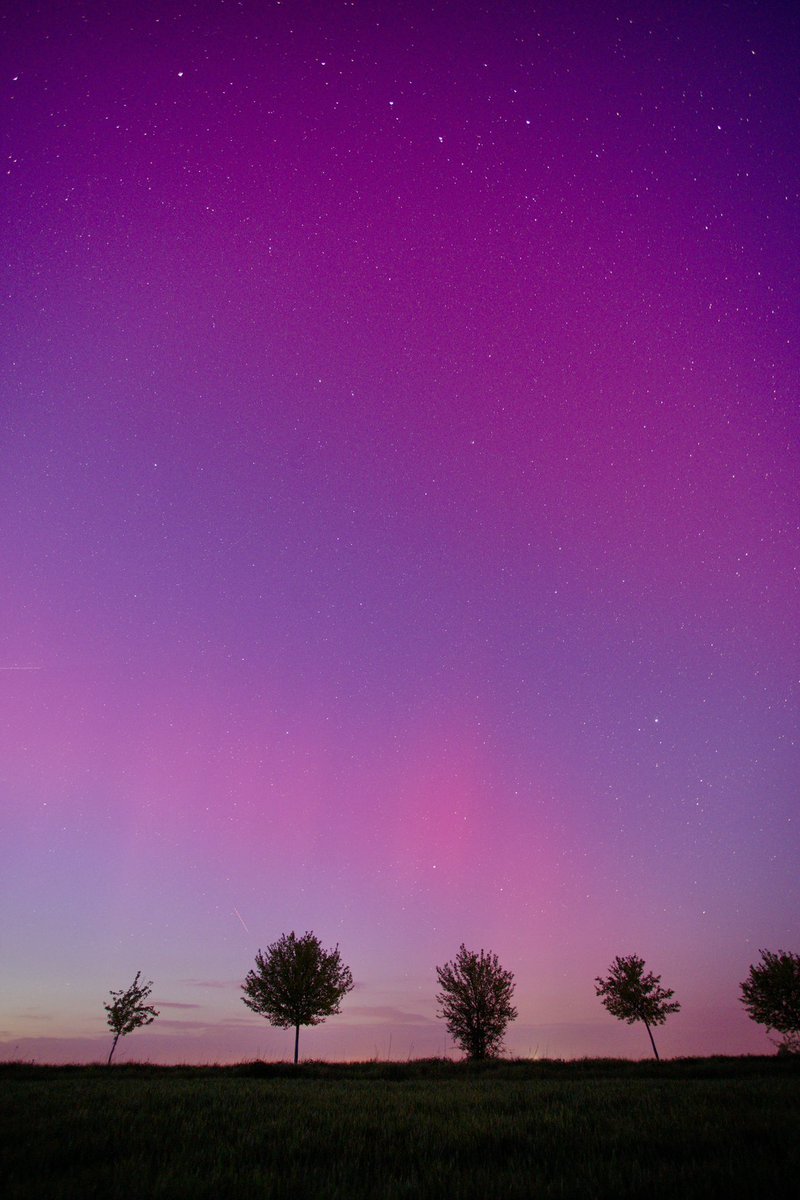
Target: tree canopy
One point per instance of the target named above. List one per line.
(771, 995)
(631, 995)
(296, 982)
(476, 1001)
(127, 1010)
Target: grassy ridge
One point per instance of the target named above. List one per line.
(685, 1128)
(720, 1067)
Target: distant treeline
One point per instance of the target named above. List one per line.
(296, 982)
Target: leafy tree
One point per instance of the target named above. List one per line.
(127, 1010)
(476, 1002)
(630, 995)
(297, 983)
(771, 995)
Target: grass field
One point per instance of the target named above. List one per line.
(594, 1128)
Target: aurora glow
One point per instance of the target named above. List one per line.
(399, 501)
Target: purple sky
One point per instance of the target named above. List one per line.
(399, 513)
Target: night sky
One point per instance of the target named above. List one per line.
(398, 513)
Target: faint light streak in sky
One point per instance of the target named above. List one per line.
(239, 915)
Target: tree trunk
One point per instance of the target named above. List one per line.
(113, 1048)
(296, 1042)
(652, 1043)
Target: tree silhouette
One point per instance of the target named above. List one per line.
(127, 1010)
(296, 983)
(771, 995)
(476, 1001)
(630, 995)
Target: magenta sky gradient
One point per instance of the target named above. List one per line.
(399, 513)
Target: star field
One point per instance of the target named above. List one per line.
(399, 509)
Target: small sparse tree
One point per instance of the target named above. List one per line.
(771, 995)
(630, 995)
(297, 983)
(127, 1010)
(475, 1002)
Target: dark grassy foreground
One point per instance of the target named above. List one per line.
(595, 1128)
